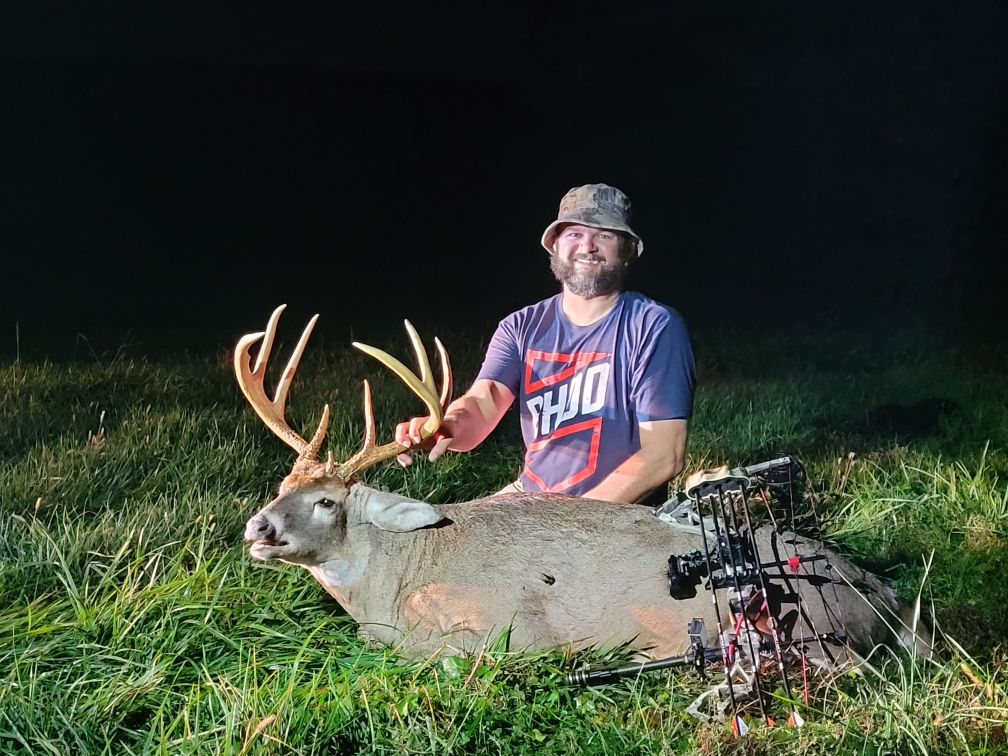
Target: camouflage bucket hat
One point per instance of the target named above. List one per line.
(595, 205)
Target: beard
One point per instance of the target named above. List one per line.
(597, 281)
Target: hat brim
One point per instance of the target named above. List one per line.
(549, 236)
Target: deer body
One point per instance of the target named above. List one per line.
(553, 570)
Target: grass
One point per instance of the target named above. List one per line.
(131, 622)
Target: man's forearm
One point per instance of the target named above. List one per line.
(466, 423)
(471, 417)
(660, 458)
(634, 479)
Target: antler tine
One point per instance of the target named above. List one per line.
(447, 384)
(369, 423)
(267, 345)
(251, 382)
(313, 447)
(280, 397)
(423, 387)
(426, 377)
(353, 465)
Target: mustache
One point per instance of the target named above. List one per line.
(590, 282)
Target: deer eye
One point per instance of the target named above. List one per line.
(325, 503)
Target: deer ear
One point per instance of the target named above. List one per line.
(400, 515)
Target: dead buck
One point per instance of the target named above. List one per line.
(551, 570)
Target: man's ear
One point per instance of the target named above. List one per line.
(628, 249)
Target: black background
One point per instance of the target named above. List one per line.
(168, 174)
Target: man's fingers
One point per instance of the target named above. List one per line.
(414, 428)
(409, 433)
(402, 435)
(440, 448)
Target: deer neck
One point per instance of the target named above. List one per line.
(363, 551)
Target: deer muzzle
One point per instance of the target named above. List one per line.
(263, 537)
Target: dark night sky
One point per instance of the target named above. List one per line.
(176, 172)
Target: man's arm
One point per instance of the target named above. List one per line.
(660, 458)
(467, 421)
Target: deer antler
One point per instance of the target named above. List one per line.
(269, 411)
(423, 387)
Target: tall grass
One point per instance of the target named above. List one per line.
(132, 622)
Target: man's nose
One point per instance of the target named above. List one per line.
(588, 243)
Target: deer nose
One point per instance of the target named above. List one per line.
(266, 530)
(260, 529)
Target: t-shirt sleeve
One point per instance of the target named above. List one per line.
(503, 362)
(665, 374)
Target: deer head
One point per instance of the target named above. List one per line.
(307, 521)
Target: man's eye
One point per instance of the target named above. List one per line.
(325, 503)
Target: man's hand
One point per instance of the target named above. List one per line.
(467, 421)
(408, 434)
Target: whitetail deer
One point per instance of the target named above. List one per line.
(551, 570)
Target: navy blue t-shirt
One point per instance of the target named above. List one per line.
(582, 390)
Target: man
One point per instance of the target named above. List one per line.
(604, 377)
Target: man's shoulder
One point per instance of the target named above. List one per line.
(532, 312)
(650, 312)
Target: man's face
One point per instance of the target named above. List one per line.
(587, 260)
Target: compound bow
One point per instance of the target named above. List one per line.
(730, 560)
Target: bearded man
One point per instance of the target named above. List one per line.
(603, 377)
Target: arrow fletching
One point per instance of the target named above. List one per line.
(739, 727)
